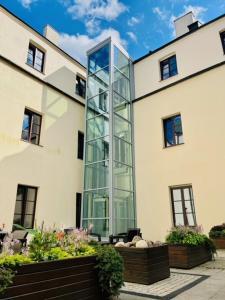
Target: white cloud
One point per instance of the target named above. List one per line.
(133, 21)
(162, 14)
(27, 3)
(92, 11)
(77, 45)
(132, 36)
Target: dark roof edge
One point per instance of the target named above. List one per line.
(39, 79)
(42, 36)
(179, 81)
(177, 39)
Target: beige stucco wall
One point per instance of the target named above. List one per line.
(200, 161)
(195, 52)
(59, 69)
(53, 166)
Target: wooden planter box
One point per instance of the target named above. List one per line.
(219, 243)
(74, 278)
(145, 265)
(187, 257)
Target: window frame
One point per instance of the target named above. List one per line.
(167, 61)
(28, 111)
(34, 49)
(222, 37)
(79, 150)
(24, 204)
(192, 202)
(164, 131)
(85, 86)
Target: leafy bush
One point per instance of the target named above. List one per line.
(217, 231)
(14, 261)
(110, 271)
(190, 237)
(6, 278)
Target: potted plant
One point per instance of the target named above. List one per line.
(145, 262)
(188, 247)
(54, 264)
(217, 234)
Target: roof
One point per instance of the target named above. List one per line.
(42, 36)
(177, 39)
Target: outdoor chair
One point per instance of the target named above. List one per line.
(21, 236)
(125, 237)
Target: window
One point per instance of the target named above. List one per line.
(168, 67)
(222, 36)
(35, 58)
(80, 86)
(183, 206)
(78, 210)
(173, 133)
(80, 150)
(25, 206)
(31, 127)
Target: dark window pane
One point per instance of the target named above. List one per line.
(31, 127)
(80, 151)
(168, 67)
(35, 58)
(222, 35)
(98, 59)
(173, 133)
(80, 86)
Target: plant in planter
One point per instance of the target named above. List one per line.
(110, 271)
(188, 247)
(217, 234)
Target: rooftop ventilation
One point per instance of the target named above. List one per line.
(185, 24)
(51, 34)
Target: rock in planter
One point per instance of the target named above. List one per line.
(142, 244)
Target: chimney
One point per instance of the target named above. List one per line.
(185, 24)
(51, 34)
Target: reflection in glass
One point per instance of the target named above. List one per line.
(96, 175)
(124, 204)
(97, 150)
(123, 177)
(121, 225)
(179, 219)
(101, 226)
(97, 127)
(96, 204)
(121, 85)
(98, 105)
(122, 151)
(121, 61)
(122, 128)
(98, 83)
(98, 59)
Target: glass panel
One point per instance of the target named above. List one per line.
(179, 219)
(98, 59)
(97, 150)
(121, 85)
(26, 126)
(122, 225)
(186, 194)
(178, 207)
(188, 207)
(18, 208)
(123, 204)
(29, 208)
(121, 61)
(123, 110)
(178, 130)
(28, 220)
(123, 177)
(122, 128)
(17, 219)
(176, 194)
(36, 119)
(98, 105)
(101, 226)
(97, 127)
(96, 204)
(98, 83)
(191, 221)
(122, 151)
(96, 175)
(34, 139)
(169, 132)
(20, 193)
(36, 129)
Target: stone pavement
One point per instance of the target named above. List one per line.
(206, 282)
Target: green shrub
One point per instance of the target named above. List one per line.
(6, 278)
(14, 261)
(190, 237)
(110, 271)
(217, 231)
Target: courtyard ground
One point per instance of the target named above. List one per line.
(201, 283)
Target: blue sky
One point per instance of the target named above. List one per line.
(140, 25)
